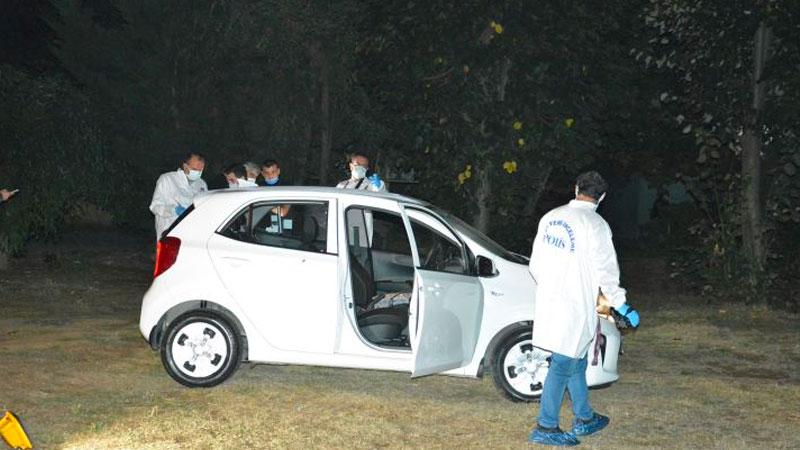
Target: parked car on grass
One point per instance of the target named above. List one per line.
(342, 278)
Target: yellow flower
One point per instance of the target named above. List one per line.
(510, 166)
(496, 27)
(439, 60)
(517, 125)
(466, 69)
(521, 142)
(465, 175)
(569, 122)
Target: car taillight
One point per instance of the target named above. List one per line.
(166, 254)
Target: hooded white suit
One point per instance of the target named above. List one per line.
(573, 258)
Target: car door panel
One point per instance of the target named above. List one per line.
(289, 295)
(446, 307)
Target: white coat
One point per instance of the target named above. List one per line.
(363, 184)
(572, 259)
(173, 189)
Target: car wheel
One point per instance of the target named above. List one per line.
(200, 349)
(519, 369)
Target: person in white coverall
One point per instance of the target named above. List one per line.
(175, 191)
(359, 179)
(573, 259)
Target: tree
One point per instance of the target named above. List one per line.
(487, 100)
(730, 71)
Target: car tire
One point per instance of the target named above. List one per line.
(518, 369)
(200, 349)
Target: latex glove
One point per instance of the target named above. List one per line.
(375, 179)
(629, 315)
(179, 210)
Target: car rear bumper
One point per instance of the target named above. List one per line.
(605, 370)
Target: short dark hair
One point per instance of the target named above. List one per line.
(191, 154)
(237, 169)
(270, 163)
(591, 184)
(355, 155)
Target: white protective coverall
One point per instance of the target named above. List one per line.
(573, 258)
(363, 184)
(173, 189)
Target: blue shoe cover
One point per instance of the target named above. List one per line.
(591, 426)
(552, 436)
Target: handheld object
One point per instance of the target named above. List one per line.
(13, 433)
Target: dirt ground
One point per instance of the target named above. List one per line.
(77, 372)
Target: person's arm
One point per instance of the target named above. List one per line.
(163, 203)
(5, 194)
(604, 261)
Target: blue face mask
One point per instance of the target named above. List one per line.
(271, 181)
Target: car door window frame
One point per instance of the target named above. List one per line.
(331, 235)
(467, 255)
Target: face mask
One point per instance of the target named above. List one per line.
(358, 172)
(232, 185)
(246, 182)
(271, 181)
(194, 175)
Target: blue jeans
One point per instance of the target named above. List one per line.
(565, 374)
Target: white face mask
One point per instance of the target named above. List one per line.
(358, 172)
(194, 175)
(246, 182)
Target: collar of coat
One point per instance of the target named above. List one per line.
(583, 204)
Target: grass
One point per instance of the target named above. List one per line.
(79, 375)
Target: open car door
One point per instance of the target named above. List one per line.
(447, 302)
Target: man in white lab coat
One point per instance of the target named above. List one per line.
(573, 258)
(175, 191)
(361, 177)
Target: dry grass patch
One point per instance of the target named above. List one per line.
(76, 370)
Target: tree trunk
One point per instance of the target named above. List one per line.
(325, 119)
(303, 154)
(482, 196)
(536, 192)
(752, 226)
(174, 97)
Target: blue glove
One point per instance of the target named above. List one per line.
(375, 179)
(179, 210)
(629, 315)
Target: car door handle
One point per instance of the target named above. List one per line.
(235, 262)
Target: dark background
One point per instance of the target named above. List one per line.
(488, 108)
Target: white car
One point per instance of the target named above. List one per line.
(344, 278)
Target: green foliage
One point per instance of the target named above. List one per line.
(51, 152)
(495, 97)
(705, 51)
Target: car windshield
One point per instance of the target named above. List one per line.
(479, 238)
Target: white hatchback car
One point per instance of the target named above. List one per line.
(332, 277)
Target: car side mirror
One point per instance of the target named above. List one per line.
(486, 267)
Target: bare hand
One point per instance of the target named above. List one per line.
(6, 194)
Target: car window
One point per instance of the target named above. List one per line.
(371, 232)
(291, 225)
(436, 250)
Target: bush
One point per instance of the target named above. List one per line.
(50, 152)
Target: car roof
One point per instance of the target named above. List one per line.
(258, 192)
